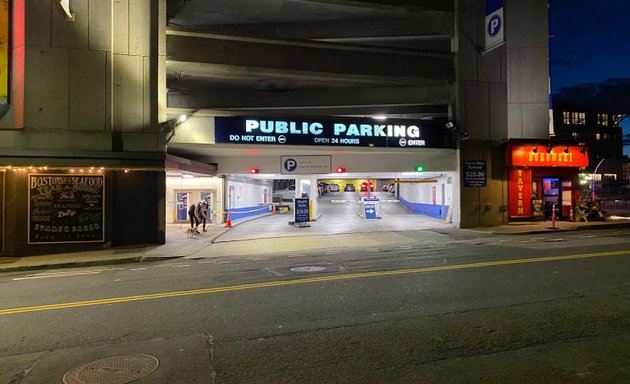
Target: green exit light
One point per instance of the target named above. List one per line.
(419, 168)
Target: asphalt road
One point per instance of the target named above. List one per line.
(449, 306)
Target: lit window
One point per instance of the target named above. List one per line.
(602, 119)
(566, 118)
(598, 136)
(574, 118)
(616, 119)
(606, 136)
(581, 118)
(575, 135)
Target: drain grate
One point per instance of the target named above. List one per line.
(112, 370)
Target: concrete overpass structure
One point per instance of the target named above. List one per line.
(101, 91)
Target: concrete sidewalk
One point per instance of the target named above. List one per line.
(178, 245)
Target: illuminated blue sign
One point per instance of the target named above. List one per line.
(301, 210)
(331, 132)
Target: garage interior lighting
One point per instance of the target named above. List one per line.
(379, 117)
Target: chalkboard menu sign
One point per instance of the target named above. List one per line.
(66, 208)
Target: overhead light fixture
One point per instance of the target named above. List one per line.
(168, 127)
(188, 176)
(65, 5)
(379, 117)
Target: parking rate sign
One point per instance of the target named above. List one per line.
(301, 210)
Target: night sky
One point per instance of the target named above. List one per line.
(590, 44)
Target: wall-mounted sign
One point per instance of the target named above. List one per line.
(5, 49)
(537, 208)
(330, 132)
(305, 165)
(520, 192)
(495, 24)
(66, 208)
(475, 173)
(548, 156)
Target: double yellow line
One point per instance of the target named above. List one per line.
(280, 283)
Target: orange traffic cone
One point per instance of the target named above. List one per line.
(228, 222)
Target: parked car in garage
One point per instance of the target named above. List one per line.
(334, 187)
(284, 194)
(367, 184)
(349, 188)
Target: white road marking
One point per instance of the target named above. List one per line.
(137, 269)
(181, 266)
(46, 276)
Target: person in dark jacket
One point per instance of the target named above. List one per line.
(194, 219)
(202, 214)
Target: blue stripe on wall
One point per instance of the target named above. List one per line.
(245, 212)
(425, 209)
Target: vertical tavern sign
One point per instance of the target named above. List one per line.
(494, 25)
(66, 208)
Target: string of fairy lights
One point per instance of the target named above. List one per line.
(76, 170)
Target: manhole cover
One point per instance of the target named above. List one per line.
(309, 268)
(112, 370)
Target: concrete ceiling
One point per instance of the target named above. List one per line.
(354, 57)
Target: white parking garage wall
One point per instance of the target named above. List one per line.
(431, 198)
(247, 198)
(182, 192)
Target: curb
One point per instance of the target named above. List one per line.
(574, 228)
(90, 263)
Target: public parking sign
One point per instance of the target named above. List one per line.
(494, 24)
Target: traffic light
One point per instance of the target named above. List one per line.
(341, 170)
(419, 168)
(254, 171)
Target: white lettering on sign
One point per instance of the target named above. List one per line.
(270, 126)
(339, 129)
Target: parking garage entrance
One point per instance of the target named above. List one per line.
(357, 174)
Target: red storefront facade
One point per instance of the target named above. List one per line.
(542, 177)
